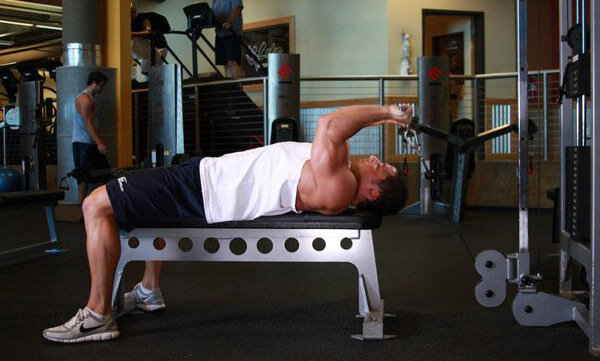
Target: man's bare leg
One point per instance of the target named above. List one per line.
(146, 295)
(151, 275)
(103, 248)
(95, 322)
(233, 70)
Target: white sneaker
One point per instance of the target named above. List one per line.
(83, 327)
(145, 301)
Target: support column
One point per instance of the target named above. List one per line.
(116, 54)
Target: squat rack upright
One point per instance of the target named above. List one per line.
(531, 307)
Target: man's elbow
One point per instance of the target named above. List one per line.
(325, 123)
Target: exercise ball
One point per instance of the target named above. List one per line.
(10, 180)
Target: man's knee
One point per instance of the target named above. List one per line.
(97, 204)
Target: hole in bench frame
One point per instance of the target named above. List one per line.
(238, 246)
(211, 245)
(185, 244)
(318, 244)
(346, 243)
(159, 243)
(291, 245)
(133, 242)
(264, 245)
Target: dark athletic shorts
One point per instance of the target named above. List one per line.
(87, 157)
(152, 194)
(227, 48)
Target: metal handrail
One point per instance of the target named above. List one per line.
(255, 80)
(359, 77)
(416, 77)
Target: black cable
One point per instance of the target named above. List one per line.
(539, 210)
(464, 241)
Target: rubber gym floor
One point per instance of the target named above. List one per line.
(300, 311)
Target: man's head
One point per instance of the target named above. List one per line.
(381, 188)
(96, 82)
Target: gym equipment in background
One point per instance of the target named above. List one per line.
(284, 130)
(434, 98)
(462, 142)
(579, 184)
(10, 179)
(33, 213)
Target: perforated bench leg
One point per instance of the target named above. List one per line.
(117, 293)
(370, 304)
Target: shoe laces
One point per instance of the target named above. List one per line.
(79, 316)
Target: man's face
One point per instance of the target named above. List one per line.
(98, 88)
(372, 170)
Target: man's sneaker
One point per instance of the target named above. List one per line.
(83, 327)
(145, 300)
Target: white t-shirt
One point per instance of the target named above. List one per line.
(257, 182)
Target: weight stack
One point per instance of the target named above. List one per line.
(577, 196)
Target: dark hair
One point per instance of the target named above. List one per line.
(96, 77)
(392, 198)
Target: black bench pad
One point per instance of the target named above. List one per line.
(30, 197)
(351, 219)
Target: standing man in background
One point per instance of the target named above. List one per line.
(227, 46)
(88, 145)
(142, 26)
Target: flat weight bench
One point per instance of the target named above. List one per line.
(306, 237)
(19, 238)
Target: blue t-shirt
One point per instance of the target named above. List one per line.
(222, 10)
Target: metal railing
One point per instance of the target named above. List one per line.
(218, 117)
(477, 97)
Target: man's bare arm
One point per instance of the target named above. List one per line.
(330, 148)
(146, 29)
(87, 113)
(330, 151)
(234, 15)
(347, 121)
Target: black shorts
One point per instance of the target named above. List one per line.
(87, 157)
(149, 195)
(227, 48)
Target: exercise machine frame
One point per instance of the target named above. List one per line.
(531, 307)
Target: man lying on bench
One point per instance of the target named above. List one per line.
(265, 181)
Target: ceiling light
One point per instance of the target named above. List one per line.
(32, 4)
(49, 27)
(8, 43)
(15, 23)
(11, 63)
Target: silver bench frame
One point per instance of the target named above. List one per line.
(361, 255)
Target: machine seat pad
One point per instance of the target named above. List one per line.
(30, 197)
(351, 219)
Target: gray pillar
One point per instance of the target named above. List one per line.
(284, 88)
(82, 35)
(166, 114)
(434, 98)
(82, 26)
